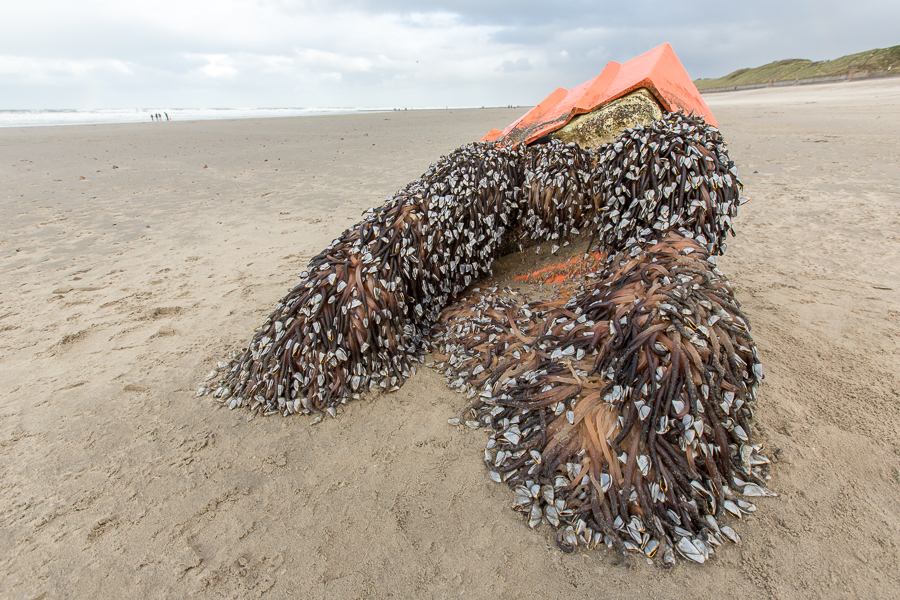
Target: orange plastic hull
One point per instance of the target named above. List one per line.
(659, 71)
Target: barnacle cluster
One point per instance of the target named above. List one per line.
(619, 411)
(620, 408)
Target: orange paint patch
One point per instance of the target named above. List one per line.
(559, 273)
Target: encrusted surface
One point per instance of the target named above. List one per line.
(605, 124)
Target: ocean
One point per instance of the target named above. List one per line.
(33, 118)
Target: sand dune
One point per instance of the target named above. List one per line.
(132, 257)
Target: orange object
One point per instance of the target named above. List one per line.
(558, 273)
(659, 71)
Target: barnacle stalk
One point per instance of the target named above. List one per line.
(672, 173)
(621, 415)
(366, 302)
(362, 313)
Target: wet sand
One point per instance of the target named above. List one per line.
(132, 257)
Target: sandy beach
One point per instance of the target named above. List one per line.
(133, 257)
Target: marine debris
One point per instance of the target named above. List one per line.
(619, 410)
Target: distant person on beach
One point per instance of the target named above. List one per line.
(152, 117)
(167, 115)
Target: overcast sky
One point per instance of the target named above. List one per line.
(391, 53)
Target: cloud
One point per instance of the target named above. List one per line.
(49, 70)
(522, 64)
(217, 65)
(393, 52)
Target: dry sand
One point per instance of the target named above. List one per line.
(121, 287)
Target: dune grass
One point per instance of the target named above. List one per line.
(879, 60)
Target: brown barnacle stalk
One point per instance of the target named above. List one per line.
(362, 313)
(365, 304)
(560, 194)
(632, 431)
(670, 174)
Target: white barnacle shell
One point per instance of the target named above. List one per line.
(732, 508)
(731, 534)
(751, 489)
(643, 412)
(687, 549)
(534, 518)
(643, 462)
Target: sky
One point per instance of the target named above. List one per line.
(86, 54)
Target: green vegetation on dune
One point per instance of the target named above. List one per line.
(880, 60)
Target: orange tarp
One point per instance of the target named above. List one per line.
(659, 71)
